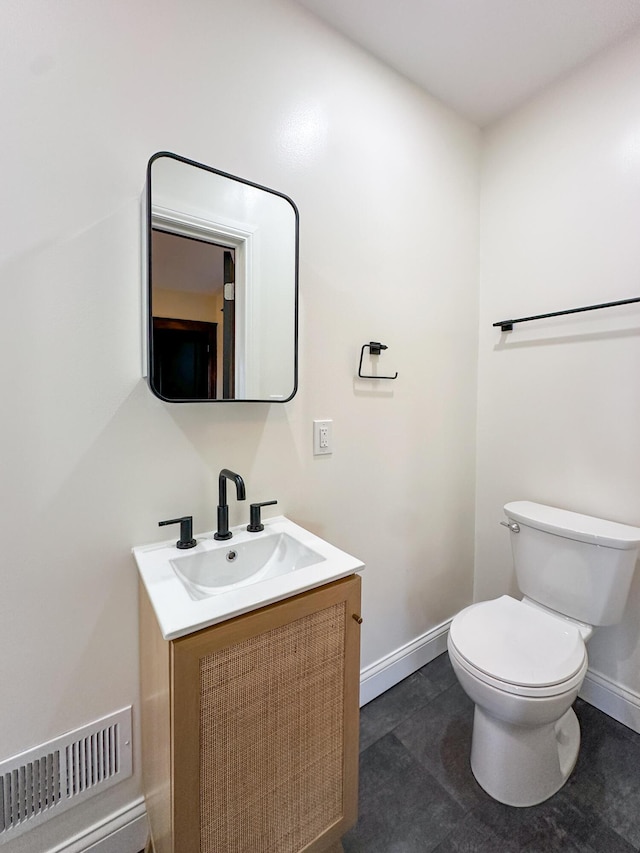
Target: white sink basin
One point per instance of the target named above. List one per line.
(215, 581)
(234, 564)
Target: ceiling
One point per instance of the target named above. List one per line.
(481, 57)
(183, 264)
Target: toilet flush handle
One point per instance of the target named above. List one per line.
(513, 526)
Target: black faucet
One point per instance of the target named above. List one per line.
(223, 531)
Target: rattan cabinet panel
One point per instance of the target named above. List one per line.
(261, 717)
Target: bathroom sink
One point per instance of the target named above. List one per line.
(217, 580)
(230, 565)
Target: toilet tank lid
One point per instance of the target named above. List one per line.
(573, 525)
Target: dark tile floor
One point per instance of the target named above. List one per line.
(417, 792)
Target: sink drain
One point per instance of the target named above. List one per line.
(231, 556)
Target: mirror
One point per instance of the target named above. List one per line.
(222, 289)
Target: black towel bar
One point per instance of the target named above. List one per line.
(507, 325)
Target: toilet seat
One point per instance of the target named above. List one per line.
(517, 648)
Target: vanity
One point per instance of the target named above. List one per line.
(249, 637)
(250, 659)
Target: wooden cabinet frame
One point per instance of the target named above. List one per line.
(173, 698)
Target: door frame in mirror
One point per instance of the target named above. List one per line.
(241, 239)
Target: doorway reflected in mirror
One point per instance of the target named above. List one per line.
(193, 311)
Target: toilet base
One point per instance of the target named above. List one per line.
(523, 765)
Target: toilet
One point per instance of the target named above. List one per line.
(522, 662)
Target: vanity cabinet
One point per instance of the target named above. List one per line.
(250, 727)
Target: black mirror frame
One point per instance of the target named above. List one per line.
(148, 213)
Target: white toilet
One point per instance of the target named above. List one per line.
(523, 662)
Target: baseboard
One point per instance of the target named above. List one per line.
(598, 690)
(125, 831)
(612, 699)
(389, 670)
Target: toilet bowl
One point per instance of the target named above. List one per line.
(522, 662)
(526, 736)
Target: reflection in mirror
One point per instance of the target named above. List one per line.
(222, 288)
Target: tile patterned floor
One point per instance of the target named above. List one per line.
(417, 792)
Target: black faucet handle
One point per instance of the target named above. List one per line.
(255, 524)
(186, 539)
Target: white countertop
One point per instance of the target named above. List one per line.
(178, 613)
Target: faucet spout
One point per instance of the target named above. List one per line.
(223, 531)
(225, 475)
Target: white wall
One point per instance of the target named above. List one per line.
(559, 400)
(386, 183)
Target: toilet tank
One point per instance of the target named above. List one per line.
(575, 564)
